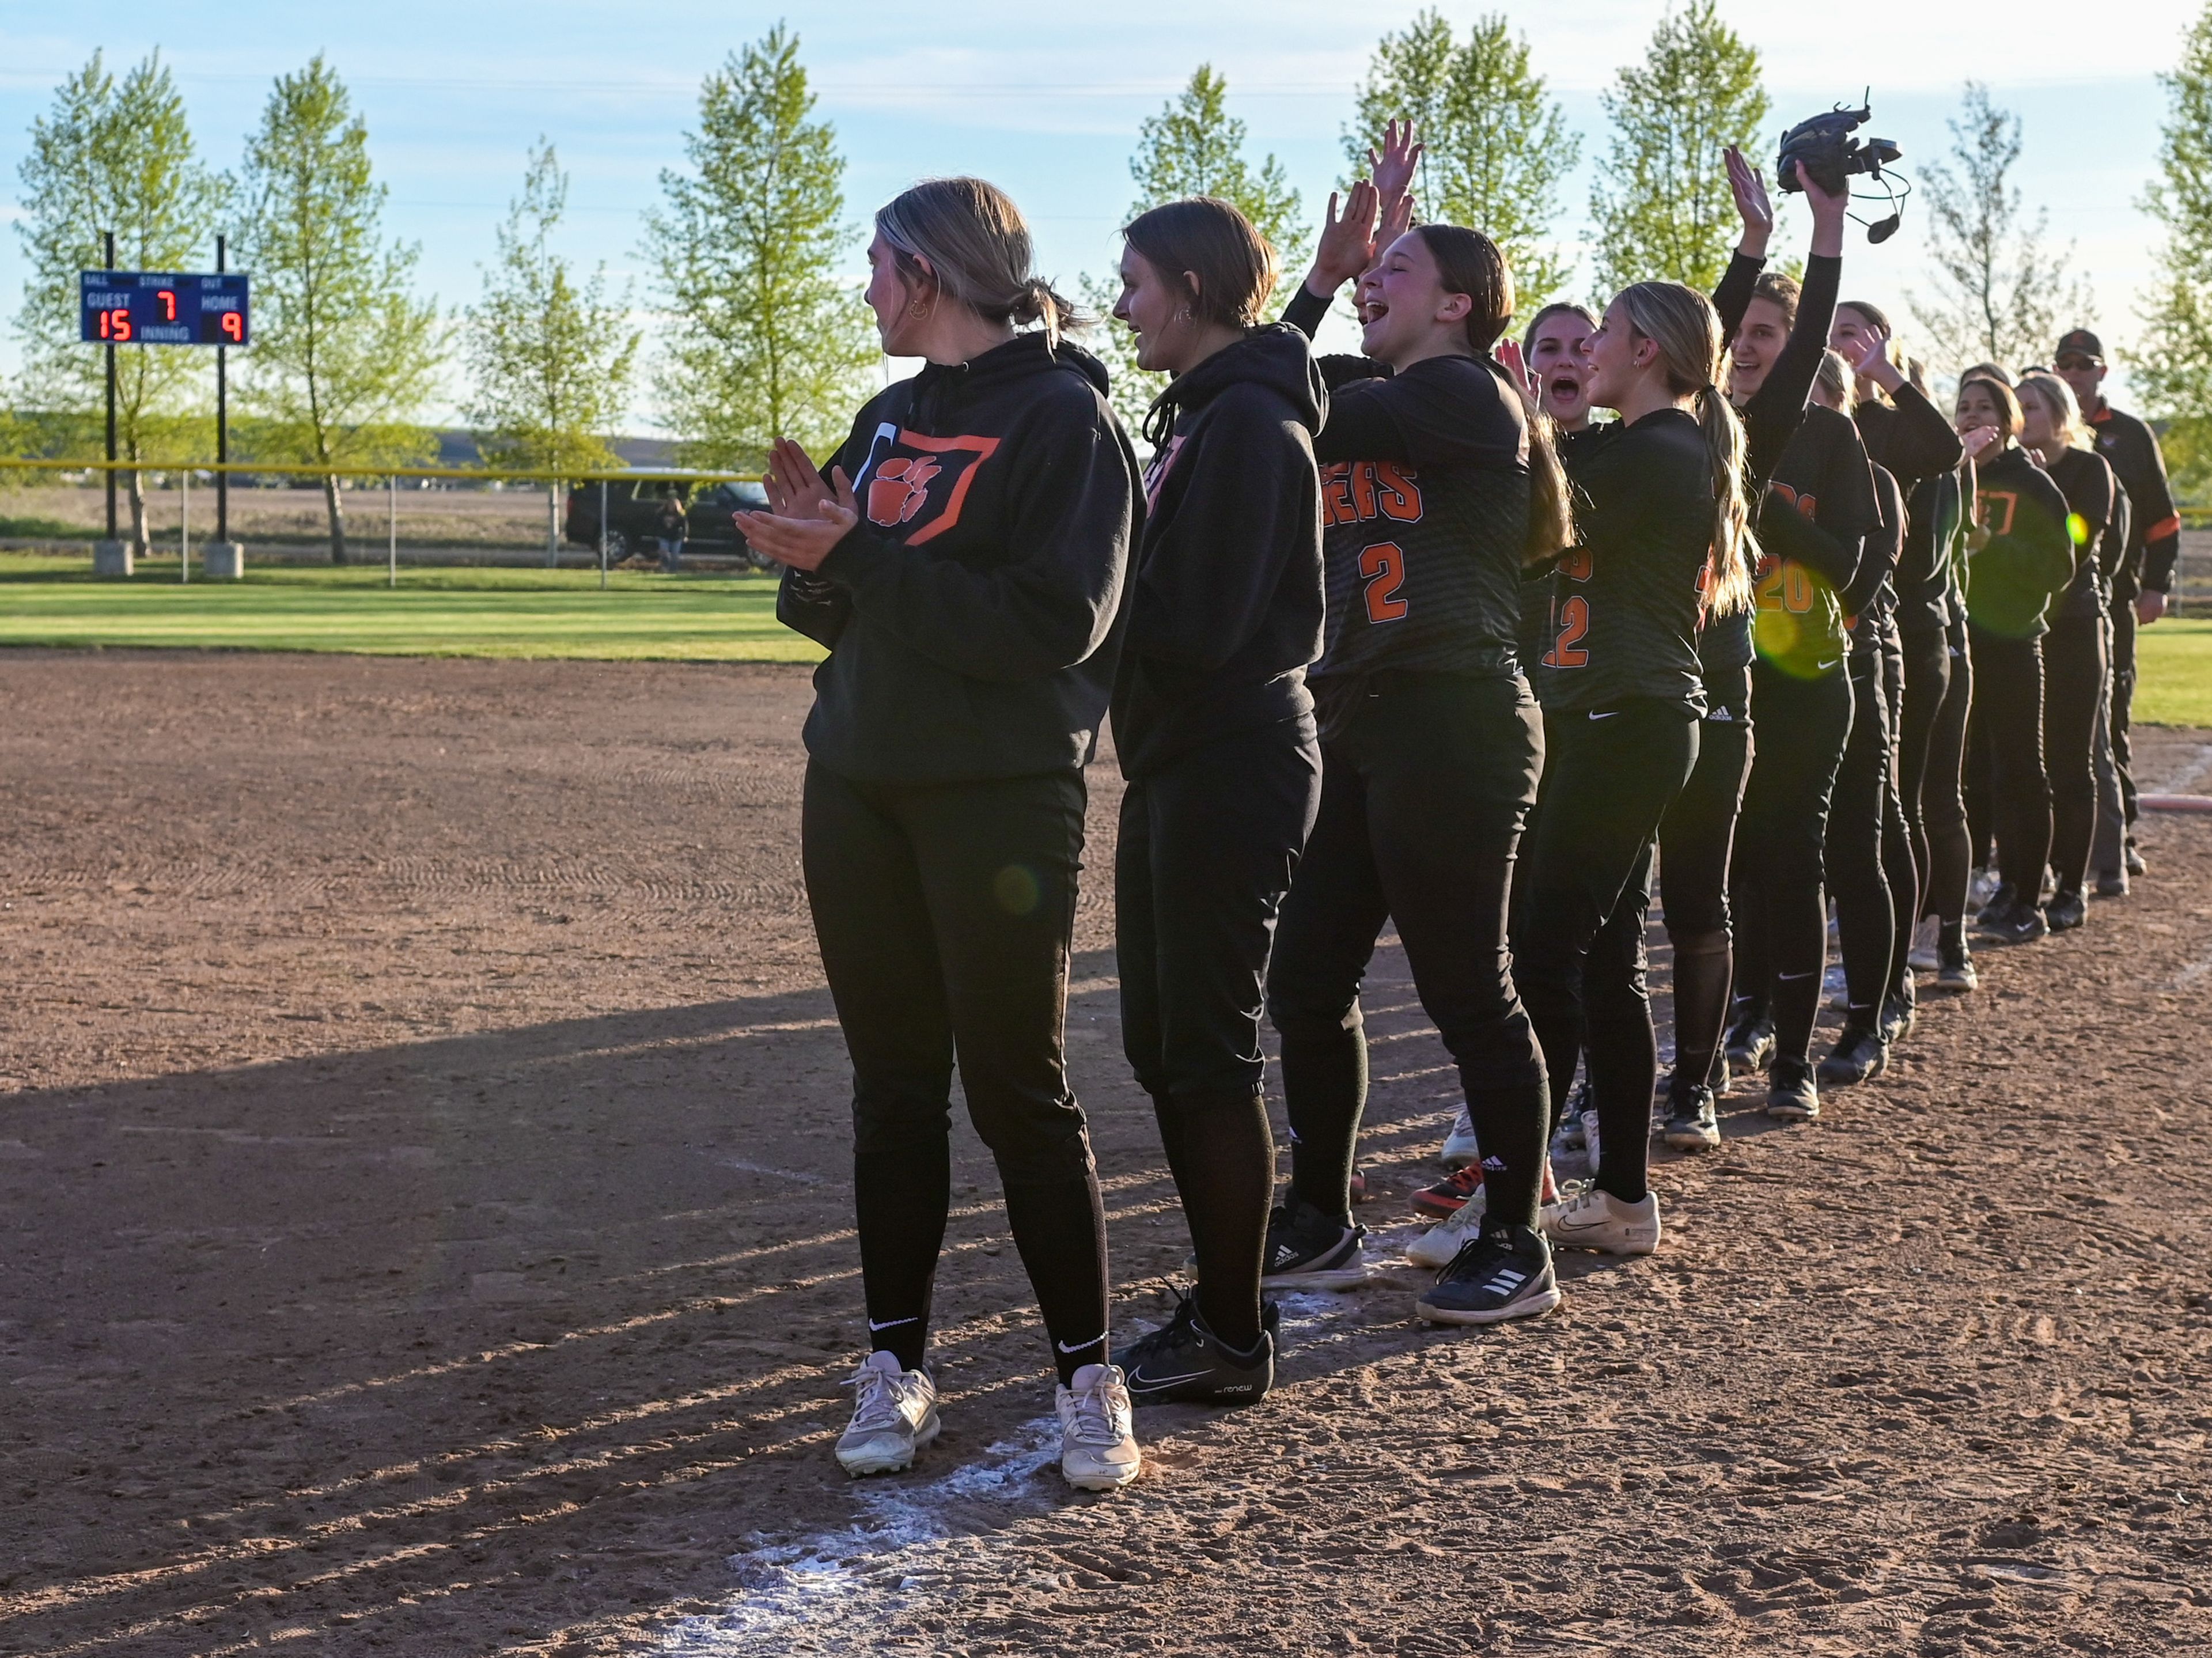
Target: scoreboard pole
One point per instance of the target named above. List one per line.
(111, 407)
(221, 413)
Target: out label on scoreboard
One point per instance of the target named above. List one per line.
(163, 308)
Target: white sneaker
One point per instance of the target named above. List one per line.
(1098, 1439)
(1595, 1219)
(893, 1415)
(1589, 1139)
(1981, 887)
(1923, 957)
(1435, 1248)
(1460, 1147)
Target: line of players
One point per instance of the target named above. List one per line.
(1407, 638)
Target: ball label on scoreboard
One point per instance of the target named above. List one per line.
(146, 307)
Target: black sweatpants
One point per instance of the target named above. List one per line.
(1427, 781)
(1579, 910)
(1207, 846)
(944, 913)
(1943, 791)
(1777, 883)
(1865, 920)
(1696, 838)
(1926, 662)
(1900, 858)
(2074, 669)
(2123, 700)
(2009, 710)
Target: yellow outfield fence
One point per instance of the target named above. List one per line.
(309, 469)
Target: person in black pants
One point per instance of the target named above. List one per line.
(1214, 727)
(2075, 668)
(1664, 542)
(1776, 366)
(965, 567)
(2020, 556)
(1435, 489)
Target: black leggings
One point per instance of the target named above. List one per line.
(1865, 919)
(1776, 882)
(1926, 661)
(1696, 839)
(1207, 845)
(1900, 858)
(2123, 700)
(943, 914)
(1579, 910)
(1427, 781)
(2009, 714)
(1942, 792)
(2074, 669)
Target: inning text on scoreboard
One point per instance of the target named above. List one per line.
(149, 307)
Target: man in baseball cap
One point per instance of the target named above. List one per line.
(2139, 586)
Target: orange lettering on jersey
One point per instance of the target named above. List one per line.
(1363, 489)
(1336, 494)
(1990, 504)
(1575, 564)
(1397, 493)
(1806, 504)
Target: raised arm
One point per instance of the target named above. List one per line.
(1920, 442)
(1733, 294)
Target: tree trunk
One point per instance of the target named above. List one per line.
(138, 547)
(338, 519)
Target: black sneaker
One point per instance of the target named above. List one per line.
(2111, 883)
(1859, 1054)
(1750, 1042)
(1955, 963)
(2023, 924)
(1900, 1014)
(1505, 1273)
(2002, 903)
(1692, 1124)
(1184, 1362)
(1791, 1093)
(2066, 910)
(1309, 1250)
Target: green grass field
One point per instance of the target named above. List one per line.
(52, 600)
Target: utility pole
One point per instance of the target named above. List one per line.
(110, 237)
(222, 415)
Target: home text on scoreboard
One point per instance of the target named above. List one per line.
(155, 307)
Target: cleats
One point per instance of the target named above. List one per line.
(1309, 1250)
(1595, 1219)
(1792, 1096)
(2066, 910)
(2022, 923)
(1451, 1194)
(893, 1415)
(1504, 1273)
(1098, 1433)
(1693, 1124)
(1750, 1041)
(1184, 1362)
(1859, 1055)
(1436, 1247)
(1460, 1145)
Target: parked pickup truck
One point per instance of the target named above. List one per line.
(634, 516)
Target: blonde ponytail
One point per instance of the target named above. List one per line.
(1682, 323)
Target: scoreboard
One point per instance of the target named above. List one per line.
(143, 308)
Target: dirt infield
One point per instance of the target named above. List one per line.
(424, 1157)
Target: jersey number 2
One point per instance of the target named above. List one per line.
(1574, 623)
(1383, 567)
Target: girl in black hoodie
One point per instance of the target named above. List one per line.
(1215, 731)
(966, 569)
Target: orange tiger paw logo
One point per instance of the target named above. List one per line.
(900, 488)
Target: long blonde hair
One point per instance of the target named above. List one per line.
(967, 238)
(2065, 410)
(1682, 323)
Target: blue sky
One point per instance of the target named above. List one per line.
(454, 95)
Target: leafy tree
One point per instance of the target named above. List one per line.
(343, 354)
(1662, 203)
(2171, 371)
(765, 339)
(120, 158)
(1192, 147)
(1998, 295)
(550, 357)
(1496, 146)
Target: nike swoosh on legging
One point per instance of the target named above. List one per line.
(893, 1323)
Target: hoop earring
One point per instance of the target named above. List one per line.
(921, 308)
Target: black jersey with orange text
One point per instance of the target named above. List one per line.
(1425, 510)
(1627, 602)
(1797, 623)
(2130, 449)
(2089, 488)
(2021, 554)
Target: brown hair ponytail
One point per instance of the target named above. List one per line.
(967, 238)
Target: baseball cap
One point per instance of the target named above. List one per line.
(2084, 343)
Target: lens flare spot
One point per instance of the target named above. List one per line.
(2078, 527)
(1016, 888)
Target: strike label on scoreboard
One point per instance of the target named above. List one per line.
(172, 307)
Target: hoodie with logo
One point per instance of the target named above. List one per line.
(2027, 557)
(1227, 603)
(973, 615)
